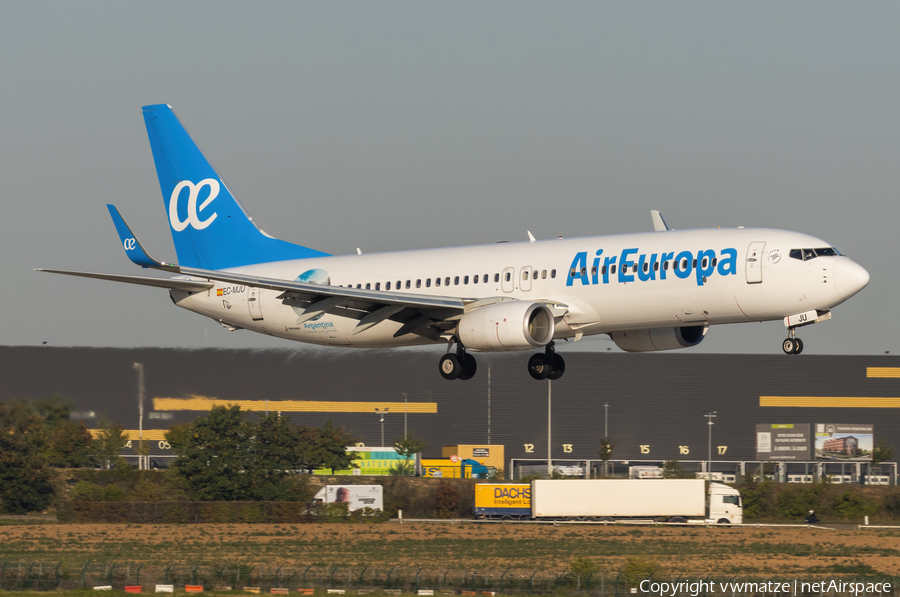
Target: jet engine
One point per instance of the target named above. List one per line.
(659, 338)
(507, 325)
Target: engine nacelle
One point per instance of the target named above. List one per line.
(659, 338)
(507, 325)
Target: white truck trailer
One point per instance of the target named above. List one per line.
(355, 496)
(672, 500)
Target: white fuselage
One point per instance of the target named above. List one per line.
(744, 275)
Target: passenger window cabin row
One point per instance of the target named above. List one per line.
(455, 280)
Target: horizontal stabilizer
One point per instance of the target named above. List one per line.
(186, 285)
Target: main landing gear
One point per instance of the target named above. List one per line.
(792, 345)
(461, 365)
(546, 365)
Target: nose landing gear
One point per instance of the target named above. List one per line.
(792, 345)
(461, 365)
(546, 365)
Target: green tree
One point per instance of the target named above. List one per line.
(27, 483)
(605, 453)
(276, 451)
(62, 443)
(216, 455)
(69, 445)
(54, 411)
(224, 456)
(673, 470)
(327, 448)
(582, 568)
(408, 446)
(882, 453)
(637, 568)
(106, 445)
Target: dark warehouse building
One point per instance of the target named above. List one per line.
(656, 402)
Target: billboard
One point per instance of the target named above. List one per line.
(844, 442)
(782, 441)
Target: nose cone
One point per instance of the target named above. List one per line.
(849, 277)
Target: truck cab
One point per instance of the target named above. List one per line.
(724, 505)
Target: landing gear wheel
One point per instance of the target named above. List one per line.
(788, 346)
(469, 367)
(450, 367)
(798, 345)
(539, 366)
(558, 364)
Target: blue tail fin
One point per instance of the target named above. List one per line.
(210, 228)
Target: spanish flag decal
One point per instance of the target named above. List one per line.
(219, 292)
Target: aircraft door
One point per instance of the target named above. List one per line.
(253, 295)
(525, 275)
(754, 262)
(507, 282)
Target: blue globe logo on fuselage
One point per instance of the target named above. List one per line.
(313, 276)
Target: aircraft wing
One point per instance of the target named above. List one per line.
(187, 285)
(416, 312)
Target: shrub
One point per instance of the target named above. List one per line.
(853, 505)
(446, 500)
(85, 491)
(637, 569)
(253, 513)
(146, 490)
(112, 493)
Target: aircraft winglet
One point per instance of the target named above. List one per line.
(659, 224)
(133, 248)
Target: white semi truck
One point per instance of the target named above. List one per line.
(674, 500)
(670, 500)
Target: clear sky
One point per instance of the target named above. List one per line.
(399, 125)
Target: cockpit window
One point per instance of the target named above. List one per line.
(807, 254)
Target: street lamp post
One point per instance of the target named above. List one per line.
(405, 412)
(606, 435)
(606, 420)
(139, 367)
(549, 442)
(382, 412)
(709, 417)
